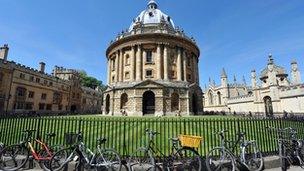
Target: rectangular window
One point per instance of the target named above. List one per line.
(37, 80)
(31, 78)
(31, 94)
(149, 73)
(51, 83)
(189, 77)
(48, 107)
(43, 96)
(22, 75)
(60, 107)
(188, 62)
(45, 82)
(41, 106)
(113, 65)
(149, 58)
(173, 74)
(127, 60)
(29, 106)
(21, 92)
(127, 75)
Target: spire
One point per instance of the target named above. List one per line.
(234, 79)
(244, 80)
(223, 75)
(152, 4)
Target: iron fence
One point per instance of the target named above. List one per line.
(126, 134)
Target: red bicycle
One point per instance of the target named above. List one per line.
(14, 157)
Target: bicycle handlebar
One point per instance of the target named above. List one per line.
(151, 132)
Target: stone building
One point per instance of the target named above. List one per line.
(153, 69)
(276, 94)
(26, 90)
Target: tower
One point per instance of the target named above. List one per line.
(224, 79)
(4, 52)
(253, 79)
(295, 73)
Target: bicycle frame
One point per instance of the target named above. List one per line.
(44, 147)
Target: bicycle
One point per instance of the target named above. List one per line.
(1, 144)
(100, 159)
(181, 158)
(14, 157)
(291, 149)
(226, 158)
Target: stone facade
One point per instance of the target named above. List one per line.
(26, 90)
(276, 93)
(153, 69)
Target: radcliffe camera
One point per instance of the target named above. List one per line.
(151, 85)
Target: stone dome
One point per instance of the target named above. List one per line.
(152, 16)
(272, 67)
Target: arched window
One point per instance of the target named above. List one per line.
(108, 104)
(268, 106)
(210, 97)
(219, 96)
(148, 102)
(174, 101)
(123, 101)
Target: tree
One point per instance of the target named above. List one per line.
(89, 81)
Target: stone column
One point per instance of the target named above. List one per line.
(143, 74)
(132, 60)
(138, 63)
(116, 67)
(121, 56)
(166, 63)
(185, 65)
(109, 70)
(194, 68)
(179, 64)
(197, 70)
(158, 62)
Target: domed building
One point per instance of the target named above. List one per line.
(153, 69)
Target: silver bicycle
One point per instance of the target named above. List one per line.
(226, 157)
(101, 159)
(291, 149)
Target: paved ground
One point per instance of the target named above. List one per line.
(291, 169)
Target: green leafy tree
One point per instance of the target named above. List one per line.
(91, 82)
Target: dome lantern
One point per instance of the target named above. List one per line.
(152, 4)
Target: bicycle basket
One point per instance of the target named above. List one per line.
(71, 138)
(190, 141)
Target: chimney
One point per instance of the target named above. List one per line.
(42, 67)
(4, 52)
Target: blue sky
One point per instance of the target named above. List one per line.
(237, 35)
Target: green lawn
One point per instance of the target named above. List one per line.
(125, 134)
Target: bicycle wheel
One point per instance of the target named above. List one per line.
(219, 159)
(45, 165)
(142, 160)
(13, 157)
(108, 159)
(60, 159)
(186, 159)
(252, 158)
(300, 154)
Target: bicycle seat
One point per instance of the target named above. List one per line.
(241, 134)
(29, 131)
(101, 140)
(174, 139)
(51, 134)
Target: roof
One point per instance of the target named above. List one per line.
(152, 16)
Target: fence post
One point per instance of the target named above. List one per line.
(124, 149)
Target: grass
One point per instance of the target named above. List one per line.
(126, 134)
